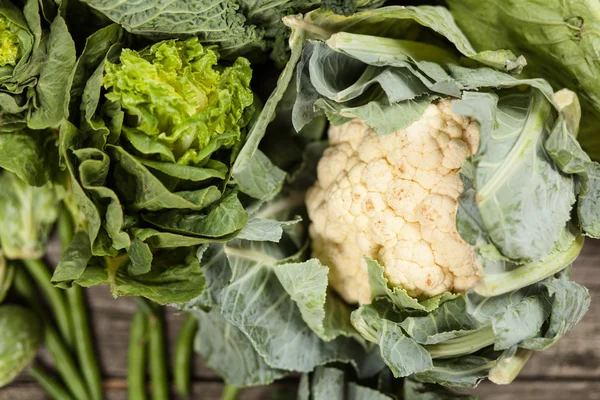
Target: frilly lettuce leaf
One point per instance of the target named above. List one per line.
(179, 99)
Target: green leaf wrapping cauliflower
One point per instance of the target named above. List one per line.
(394, 199)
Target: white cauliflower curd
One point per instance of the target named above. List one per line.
(394, 199)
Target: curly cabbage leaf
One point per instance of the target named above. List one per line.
(246, 28)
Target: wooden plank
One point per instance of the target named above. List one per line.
(541, 390)
(528, 390)
(116, 389)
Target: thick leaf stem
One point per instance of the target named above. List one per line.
(509, 365)
(463, 345)
(528, 274)
(230, 392)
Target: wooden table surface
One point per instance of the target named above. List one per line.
(570, 370)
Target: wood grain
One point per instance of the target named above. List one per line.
(569, 370)
(520, 390)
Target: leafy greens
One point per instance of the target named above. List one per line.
(384, 67)
(149, 164)
(37, 56)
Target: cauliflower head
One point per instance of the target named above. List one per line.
(394, 199)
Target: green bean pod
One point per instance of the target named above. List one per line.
(136, 357)
(158, 373)
(50, 385)
(83, 343)
(40, 273)
(183, 355)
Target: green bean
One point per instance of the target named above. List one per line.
(158, 372)
(83, 343)
(41, 274)
(136, 357)
(145, 306)
(52, 339)
(83, 338)
(230, 392)
(50, 385)
(183, 355)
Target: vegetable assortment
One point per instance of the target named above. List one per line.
(396, 215)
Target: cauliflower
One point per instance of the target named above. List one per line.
(394, 199)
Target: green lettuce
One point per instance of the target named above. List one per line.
(37, 56)
(556, 43)
(184, 108)
(385, 66)
(149, 164)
